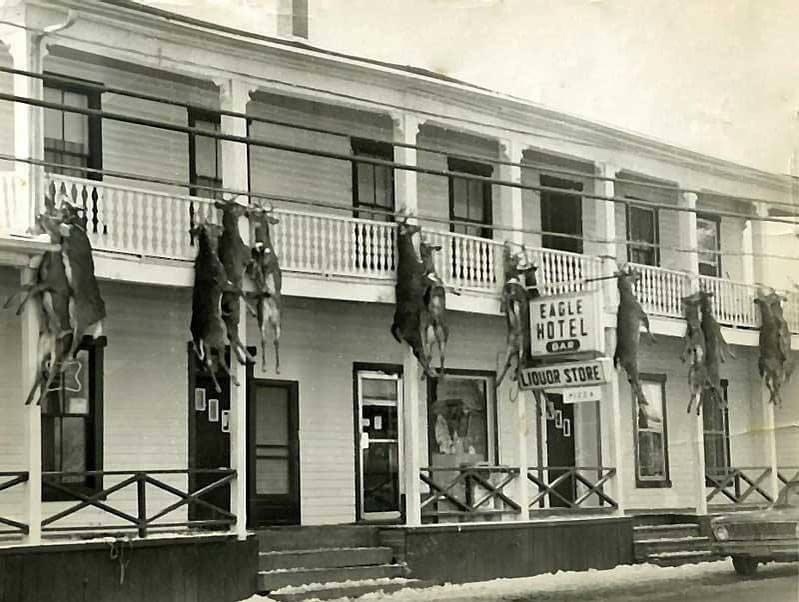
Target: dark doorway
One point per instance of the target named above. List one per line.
(560, 449)
(561, 213)
(209, 437)
(273, 454)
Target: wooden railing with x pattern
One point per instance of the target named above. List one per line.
(141, 521)
(587, 481)
(740, 485)
(7, 481)
(467, 492)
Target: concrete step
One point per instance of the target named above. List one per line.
(272, 580)
(647, 547)
(680, 558)
(324, 558)
(670, 530)
(276, 539)
(352, 589)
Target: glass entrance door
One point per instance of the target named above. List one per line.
(379, 397)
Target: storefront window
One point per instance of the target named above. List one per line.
(651, 437)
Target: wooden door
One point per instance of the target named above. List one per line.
(273, 487)
(560, 449)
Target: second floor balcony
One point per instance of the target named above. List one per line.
(152, 228)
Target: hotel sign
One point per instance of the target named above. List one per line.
(565, 324)
(560, 376)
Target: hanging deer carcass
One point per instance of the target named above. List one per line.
(716, 349)
(694, 350)
(409, 290)
(629, 318)
(87, 308)
(264, 271)
(434, 325)
(235, 257)
(208, 330)
(519, 288)
(774, 364)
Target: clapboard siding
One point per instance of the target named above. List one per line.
(786, 418)
(306, 176)
(731, 232)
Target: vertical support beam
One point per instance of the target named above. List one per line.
(747, 248)
(698, 436)
(26, 49)
(510, 198)
(234, 96)
(33, 417)
(759, 249)
(406, 128)
(610, 408)
(525, 399)
(689, 256)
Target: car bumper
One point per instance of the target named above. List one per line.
(787, 549)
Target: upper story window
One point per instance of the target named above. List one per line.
(716, 422)
(708, 238)
(651, 435)
(73, 140)
(561, 215)
(72, 424)
(205, 155)
(372, 185)
(470, 200)
(642, 235)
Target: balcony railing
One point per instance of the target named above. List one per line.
(155, 224)
(9, 480)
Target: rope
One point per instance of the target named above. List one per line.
(118, 552)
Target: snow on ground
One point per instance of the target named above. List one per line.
(638, 578)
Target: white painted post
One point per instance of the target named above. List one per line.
(511, 197)
(610, 409)
(406, 128)
(33, 416)
(689, 262)
(26, 49)
(522, 427)
(234, 96)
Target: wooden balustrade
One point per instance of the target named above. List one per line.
(7, 481)
(562, 272)
(787, 475)
(660, 291)
(63, 483)
(551, 481)
(733, 302)
(467, 492)
(745, 484)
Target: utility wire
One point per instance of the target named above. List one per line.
(352, 158)
(538, 167)
(221, 190)
(370, 101)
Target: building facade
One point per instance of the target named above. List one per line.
(348, 430)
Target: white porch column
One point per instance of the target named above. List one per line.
(759, 259)
(33, 415)
(406, 128)
(26, 49)
(610, 408)
(510, 197)
(522, 497)
(234, 96)
(689, 261)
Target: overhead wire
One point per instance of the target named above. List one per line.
(257, 142)
(371, 101)
(264, 196)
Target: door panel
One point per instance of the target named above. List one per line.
(273, 454)
(378, 395)
(560, 448)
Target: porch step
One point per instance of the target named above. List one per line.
(271, 580)
(648, 548)
(644, 532)
(278, 539)
(351, 589)
(324, 558)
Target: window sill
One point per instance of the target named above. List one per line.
(662, 484)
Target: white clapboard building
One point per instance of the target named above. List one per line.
(105, 104)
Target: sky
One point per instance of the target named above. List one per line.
(717, 76)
